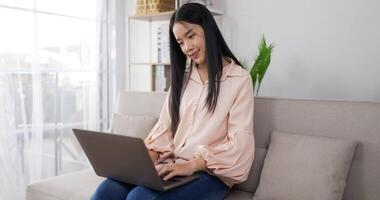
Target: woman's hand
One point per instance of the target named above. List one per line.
(180, 169)
(154, 156)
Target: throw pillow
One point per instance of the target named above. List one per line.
(132, 125)
(299, 167)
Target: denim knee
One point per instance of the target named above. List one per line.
(111, 189)
(142, 193)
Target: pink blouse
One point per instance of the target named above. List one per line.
(224, 139)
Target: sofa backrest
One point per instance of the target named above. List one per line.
(342, 119)
(140, 103)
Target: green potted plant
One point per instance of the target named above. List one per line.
(261, 64)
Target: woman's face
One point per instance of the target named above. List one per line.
(191, 39)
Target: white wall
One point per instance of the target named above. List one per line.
(324, 48)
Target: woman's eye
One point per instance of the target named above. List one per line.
(180, 44)
(191, 36)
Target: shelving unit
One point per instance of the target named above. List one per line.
(167, 15)
(146, 72)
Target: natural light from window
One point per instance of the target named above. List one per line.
(52, 71)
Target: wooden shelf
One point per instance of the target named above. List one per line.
(167, 15)
(148, 63)
(154, 17)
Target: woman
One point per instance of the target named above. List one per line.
(206, 123)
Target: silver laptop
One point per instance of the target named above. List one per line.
(124, 159)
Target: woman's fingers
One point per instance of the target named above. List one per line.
(171, 169)
(164, 168)
(170, 175)
(158, 167)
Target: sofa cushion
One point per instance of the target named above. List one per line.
(132, 125)
(252, 182)
(299, 167)
(235, 194)
(74, 186)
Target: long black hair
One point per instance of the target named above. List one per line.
(216, 49)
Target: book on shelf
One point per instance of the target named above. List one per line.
(160, 55)
(160, 78)
(160, 52)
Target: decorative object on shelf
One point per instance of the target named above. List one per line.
(160, 42)
(141, 7)
(161, 54)
(145, 7)
(261, 64)
(160, 78)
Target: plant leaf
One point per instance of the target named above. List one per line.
(261, 63)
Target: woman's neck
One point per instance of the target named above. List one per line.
(202, 71)
(202, 67)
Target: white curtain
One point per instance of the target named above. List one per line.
(73, 64)
(20, 143)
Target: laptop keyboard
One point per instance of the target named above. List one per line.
(172, 180)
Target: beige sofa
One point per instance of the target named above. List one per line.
(340, 119)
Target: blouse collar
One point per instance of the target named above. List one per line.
(229, 70)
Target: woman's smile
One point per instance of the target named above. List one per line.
(194, 55)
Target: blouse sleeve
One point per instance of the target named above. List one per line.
(231, 159)
(160, 137)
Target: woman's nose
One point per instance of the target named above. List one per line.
(188, 48)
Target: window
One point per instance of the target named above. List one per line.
(52, 56)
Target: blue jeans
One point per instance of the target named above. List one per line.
(205, 187)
